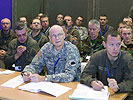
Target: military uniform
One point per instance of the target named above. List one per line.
(31, 50)
(40, 38)
(62, 66)
(82, 31)
(5, 39)
(74, 37)
(45, 32)
(74, 33)
(107, 29)
(128, 47)
(99, 66)
(91, 46)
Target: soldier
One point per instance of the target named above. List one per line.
(94, 41)
(45, 25)
(127, 42)
(59, 19)
(36, 33)
(111, 66)
(61, 58)
(6, 35)
(21, 50)
(104, 28)
(82, 29)
(23, 19)
(70, 29)
(71, 32)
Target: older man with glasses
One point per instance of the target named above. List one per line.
(61, 58)
(6, 35)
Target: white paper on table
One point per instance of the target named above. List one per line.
(7, 72)
(83, 92)
(13, 83)
(54, 89)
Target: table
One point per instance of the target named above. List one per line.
(16, 94)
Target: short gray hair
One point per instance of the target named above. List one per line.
(94, 21)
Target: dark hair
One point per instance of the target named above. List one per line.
(44, 15)
(113, 33)
(19, 25)
(103, 15)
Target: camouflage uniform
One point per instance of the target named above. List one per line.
(41, 39)
(82, 31)
(74, 33)
(74, 37)
(121, 70)
(31, 50)
(62, 66)
(107, 29)
(128, 47)
(89, 46)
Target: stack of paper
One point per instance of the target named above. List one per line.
(83, 92)
(13, 83)
(48, 87)
(7, 72)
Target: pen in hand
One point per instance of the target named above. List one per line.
(98, 82)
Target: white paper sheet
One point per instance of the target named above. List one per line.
(83, 92)
(13, 83)
(54, 89)
(7, 72)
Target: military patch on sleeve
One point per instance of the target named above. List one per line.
(72, 63)
(39, 54)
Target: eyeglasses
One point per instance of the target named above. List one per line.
(5, 23)
(58, 35)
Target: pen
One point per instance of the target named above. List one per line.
(26, 75)
(98, 82)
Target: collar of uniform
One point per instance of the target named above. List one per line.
(25, 43)
(37, 37)
(116, 62)
(5, 35)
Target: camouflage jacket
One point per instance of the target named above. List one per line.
(62, 66)
(128, 47)
(89, 47)
(82, 31)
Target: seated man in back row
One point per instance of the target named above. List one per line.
(61, 58)
(111, 66)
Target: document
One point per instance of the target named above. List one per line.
(13, 83)
(7, 72)
(83, 92)
(54, 89)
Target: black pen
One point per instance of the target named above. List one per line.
(98, 82)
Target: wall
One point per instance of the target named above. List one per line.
(5, 9)
(115, 9)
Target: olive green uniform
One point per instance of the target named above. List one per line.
(4, 41)
(100, 66)
(31, 50)
(40, 38)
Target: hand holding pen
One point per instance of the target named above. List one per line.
(97, 85)
(27, 76)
